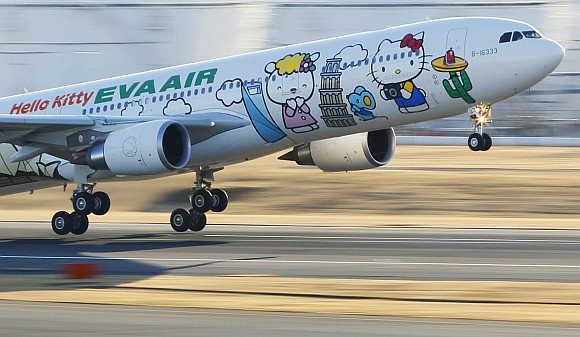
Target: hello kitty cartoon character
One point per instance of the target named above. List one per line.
(291, 84)
(394, 67)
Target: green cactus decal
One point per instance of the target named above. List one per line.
(460, 86)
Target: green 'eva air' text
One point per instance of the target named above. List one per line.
(149, 87)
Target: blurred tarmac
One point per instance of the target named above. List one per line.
(423, 186)
(273, 260)
(438, 273)
(30, 319)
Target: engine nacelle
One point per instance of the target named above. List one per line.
(146, 148)
(360, 151)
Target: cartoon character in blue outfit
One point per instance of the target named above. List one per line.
(395, 66)
(361, 103)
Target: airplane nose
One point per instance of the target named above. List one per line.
(555, 55)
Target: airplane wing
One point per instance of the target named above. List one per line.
(33, 146)
(45, 129)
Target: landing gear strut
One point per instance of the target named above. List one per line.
(203, 199)
(84, 202)
(481, 116)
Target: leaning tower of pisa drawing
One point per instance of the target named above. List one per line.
(333, 108)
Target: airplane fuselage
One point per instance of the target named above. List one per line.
(317, 90)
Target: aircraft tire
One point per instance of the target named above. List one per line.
(487, 142)
(220, 200)
(475, 142)
(199, 220)
(102, 203)
(180, 220)
(83, 203)
(202, 200)
(61, 223)
(80, 224)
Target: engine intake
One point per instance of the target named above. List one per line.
(147, 148)
(360, 151)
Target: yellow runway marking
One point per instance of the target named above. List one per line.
(484, 300)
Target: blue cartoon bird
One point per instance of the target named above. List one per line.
(361, 103)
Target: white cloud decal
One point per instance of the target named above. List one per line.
(351, 56)
(177, 107)
(133, 109)
(230, 92)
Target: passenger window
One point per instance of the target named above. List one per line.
(388, 58)
(119, 105)
(381, 59)
(532, 34)
(517, 36)
(506, 37)
(402, 55)
(394, 56)
(105, 108)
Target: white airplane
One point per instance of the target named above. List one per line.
(334, 101)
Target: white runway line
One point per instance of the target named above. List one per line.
(241, 260)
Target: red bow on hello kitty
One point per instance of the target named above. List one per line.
(411, 42)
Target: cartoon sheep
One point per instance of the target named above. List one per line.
(291, 84)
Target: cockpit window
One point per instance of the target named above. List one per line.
(532, 34)
(506, 37)
(517, 36)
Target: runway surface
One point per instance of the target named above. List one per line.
(408, 253)
(31, 319)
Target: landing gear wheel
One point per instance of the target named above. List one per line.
(220, 200)
(180, 220)
(475, 142)
(199, 220)
(62, 223)
(80, 223)
(102, 203)
(487, 142)
(202, 200)
(83, 203)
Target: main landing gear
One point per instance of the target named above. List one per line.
(481, 116)
(203, 199)
(84, 203)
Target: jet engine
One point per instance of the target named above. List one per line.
(147, 148)
(348, 153)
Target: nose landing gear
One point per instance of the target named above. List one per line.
(203, 199)
(84, 202)
(481, 116)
